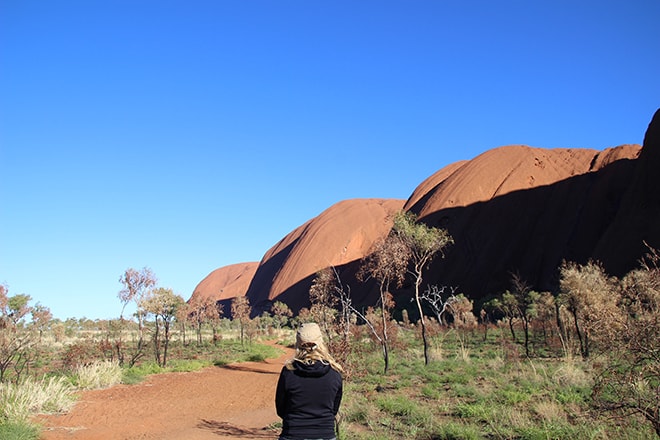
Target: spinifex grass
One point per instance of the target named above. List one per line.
(30, 396)
(475, 390)
(99, 374)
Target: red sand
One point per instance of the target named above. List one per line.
(235, 401)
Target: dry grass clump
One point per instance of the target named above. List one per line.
(549, 411)
(98, 375)
(18, 402)
(572, 374)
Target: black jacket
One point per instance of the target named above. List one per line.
(307, 400)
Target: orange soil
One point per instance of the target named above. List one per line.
(235, 401)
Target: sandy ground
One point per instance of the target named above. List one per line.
(235, 401)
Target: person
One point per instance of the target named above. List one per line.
(309, 389)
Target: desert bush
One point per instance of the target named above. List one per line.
(81, 353)
(629, 381)
(98, 375)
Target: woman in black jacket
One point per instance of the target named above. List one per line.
(309, 389)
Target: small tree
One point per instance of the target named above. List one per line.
(241, 310)
(386, 263)
(423, 243)
(461, 309)
(41, 317)
(281, 313)
(204, 311)
(331, 307)
(323, 300)
(506, 304)
(526, 302)
(589, 295)
(182, 318)
(16, 340)
(214, 320)
(545, 314)
(163, 304)
(136, 285)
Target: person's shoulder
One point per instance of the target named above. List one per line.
(335, 373)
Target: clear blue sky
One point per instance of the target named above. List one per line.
(189, 135)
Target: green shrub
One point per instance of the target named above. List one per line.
(457, 431)
(186, 366)
(18, 431)
(137, 373)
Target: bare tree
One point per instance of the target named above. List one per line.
(433, 295)
(423, 243)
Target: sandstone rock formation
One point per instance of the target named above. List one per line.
(514, 209)
(521, 210)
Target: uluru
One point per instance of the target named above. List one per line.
(512, 210)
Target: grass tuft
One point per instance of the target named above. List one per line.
(98, 375)
(18, 402)
(19, 431)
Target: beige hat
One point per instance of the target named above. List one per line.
(309, 333)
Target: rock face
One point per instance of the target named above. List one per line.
(638, 220)
(227, 282)
(522, 210)
(514, 209)
(342, 234)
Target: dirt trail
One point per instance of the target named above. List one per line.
(235, 401)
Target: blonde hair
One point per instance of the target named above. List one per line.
(310, 348)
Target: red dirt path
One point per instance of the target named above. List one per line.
(235, 401)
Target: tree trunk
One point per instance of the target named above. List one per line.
(583, 348)
(383, 312)
(526, 330)
(421, 320)
(157, 343)
(513, 333)
(167, 341)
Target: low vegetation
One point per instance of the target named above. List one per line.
(494, 392)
